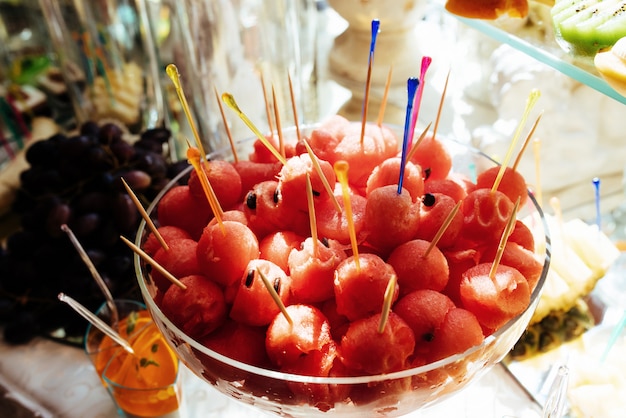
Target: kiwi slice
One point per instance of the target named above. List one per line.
(584, 27)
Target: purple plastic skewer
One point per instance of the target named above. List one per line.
(412, 85)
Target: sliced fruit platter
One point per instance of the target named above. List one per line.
(577, 37)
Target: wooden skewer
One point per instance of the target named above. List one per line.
(193, 155)
(526, 141)
(383, 103)
(416, 143)
(537, 158)
(230, 101)
(503, 239)
(312, 219)
(443, 228)
(275, 296)
(226, 127)
(268, 112)
(294, 108)
(172, 72)
(368, 80)
(145, 216)
(530, 102)
(320, 173)
(390, 290)
(279, 129)
(341, 169)
(440, 108)
(169, 276)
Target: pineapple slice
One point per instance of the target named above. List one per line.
(580, 256)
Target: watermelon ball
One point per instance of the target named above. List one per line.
(225, 250)
(416, 270)
(338, 323)
(262, 154)
(424, 311)
(485, 215)
(431, 155)
(231, 215)
(518, 257)
(366, 351)
(224, 180)
(390, 218)
(326, 136)
(240, 342)
(312, 271)
(512, 183)
(151, 245)
(362, 156)
(178, 207)
(197, 310)
(459, 331)
(459, 261)
(180, 260)
(253, 303)
(277, 246)
(381, 134)
(286, 343)
(495, 300)
(446, 186)
(252, 173)
(522, 235)
(317, 363)
(388, 172)
(292, 181)
(434, 210)
(334, 225)
(266, 212)
(359, 292)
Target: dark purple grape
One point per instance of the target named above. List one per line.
(161, 135)
(31, 180)
(108, 234)
(149, 145)
(125, 213)
(92, 201)
(98, 159)
(137, 180)
(89, 128)
(84, 225)
(57, 216)
(119, 265)
(76, 146)
(52, 181)
(152, 163)
(109, 133)
(85, 192)
(44, 153)
(123, 151)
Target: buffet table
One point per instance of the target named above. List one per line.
(69, 388)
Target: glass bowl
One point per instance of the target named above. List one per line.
(392, 394)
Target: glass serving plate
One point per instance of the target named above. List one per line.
(537, 40)
(391, 395)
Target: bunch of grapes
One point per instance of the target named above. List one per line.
(76, 180)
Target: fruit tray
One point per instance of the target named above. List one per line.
(535, 37)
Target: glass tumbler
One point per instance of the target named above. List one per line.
(244, 47)
(107, 60)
